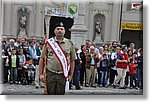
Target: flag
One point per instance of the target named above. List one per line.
(72, 9)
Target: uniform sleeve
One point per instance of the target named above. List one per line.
(43, 51)
(72, 54)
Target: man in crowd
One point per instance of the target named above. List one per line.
(122, 64)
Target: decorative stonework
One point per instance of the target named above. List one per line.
(99, 26)
(79, 28)
(23, 16)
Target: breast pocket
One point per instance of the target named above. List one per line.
(50, 55)
(67, 51)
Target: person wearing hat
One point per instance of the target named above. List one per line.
(60, 54)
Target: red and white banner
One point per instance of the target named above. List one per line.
(58, 51)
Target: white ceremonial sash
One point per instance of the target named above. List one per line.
(58, 51)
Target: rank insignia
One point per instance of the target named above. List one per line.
(51, 53)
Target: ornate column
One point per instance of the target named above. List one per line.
(13, 19)
(1, 17)
(115, 24)
(7, 19)
(1, 23)
(38, 20)
(47, 19)
(78, 30)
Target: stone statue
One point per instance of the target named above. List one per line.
(98, 27)
(23, 22)
(22, 32)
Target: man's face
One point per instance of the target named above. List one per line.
(12, 43)
(34, 40)
(59, 31)
(13, 52)
(92, 50)
(114, 45)
(105, 57)
(32, 43)
(132, 46)
(117, 49)
(21, 51)
(106, 47)
(18, 39)
(101, 50)
(126, 49)
(22, 40)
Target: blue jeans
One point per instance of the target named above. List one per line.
(133, 79)
(30, 74)
(13, 74)
(99, 76)
(140, 78)
(104, 78)
(76, 77)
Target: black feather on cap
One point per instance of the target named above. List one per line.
(60, 24)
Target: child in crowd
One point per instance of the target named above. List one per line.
(104, 70)
(13, 64)
(132, 72)
(22, 61)
(31, 71)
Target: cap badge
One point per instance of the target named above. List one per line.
(61, 24)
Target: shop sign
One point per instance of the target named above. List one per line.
(131, 26)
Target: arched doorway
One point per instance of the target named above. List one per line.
(68, 22)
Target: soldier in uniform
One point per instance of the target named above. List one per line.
(55, 80)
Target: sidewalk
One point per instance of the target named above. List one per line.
(104, 91)
(30, 90)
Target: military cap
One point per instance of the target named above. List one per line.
(60, 24)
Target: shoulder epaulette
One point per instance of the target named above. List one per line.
(71, 42)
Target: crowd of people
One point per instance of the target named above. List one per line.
(20, 59)
(108, 65)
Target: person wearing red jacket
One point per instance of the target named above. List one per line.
(132, 72)
(121, 65)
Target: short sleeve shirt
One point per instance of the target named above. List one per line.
(52, 61)
(13, 58)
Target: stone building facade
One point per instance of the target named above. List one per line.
(111, 14)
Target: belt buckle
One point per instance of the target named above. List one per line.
(57, 72)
